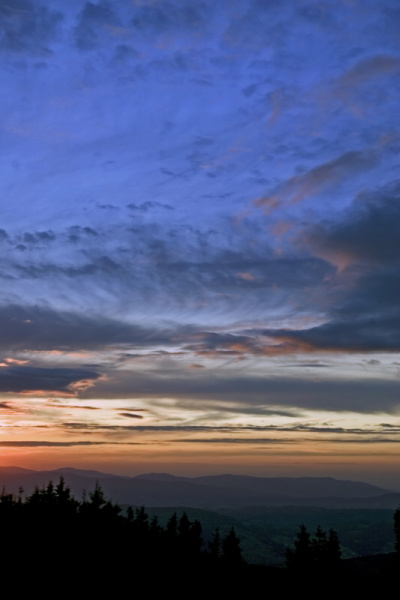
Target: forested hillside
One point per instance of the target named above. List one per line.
(92, 543)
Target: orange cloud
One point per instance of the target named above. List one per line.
(277, 104)
(83, 384)
(367, 69)
(13, 361)
(247, 276)
(281, 228)
(324, 176)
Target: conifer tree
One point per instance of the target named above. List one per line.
(396, 519)
(321, 552)
(231, 551)
(215, 545)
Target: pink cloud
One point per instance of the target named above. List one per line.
(247, 276)
(367, 69)
(318, 179)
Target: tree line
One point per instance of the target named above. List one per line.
(322, 552)
(95, 541)
(94, 536)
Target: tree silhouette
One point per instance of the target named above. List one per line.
(396, 519)
(215, 545)
(321, 552)
(231, 551)
(97, 498)
(300, 557)
(91, 537)
(172, 527)
(334, 552)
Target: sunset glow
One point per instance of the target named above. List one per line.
(200, 224)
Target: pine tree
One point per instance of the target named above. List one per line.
(322, 552)
(300, 557)
(215, 545)
(396, 519)
(334, 552)
(231, 551)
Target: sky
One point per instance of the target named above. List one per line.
(199, 231)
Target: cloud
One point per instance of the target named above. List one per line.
(232, 392)
(216, 345)
(368, 231)
(247, 432)
(175, 266)
(319, 179)
(42, 328)
(363, 243)
(268, 441)
(259, 25)
(157, 428)
(95, 22)
(247, 276)
(71, 406)
(367, 70)
(154, 124)
(92, 427)
(231, 440)
(148, 206)
(380, 333)
(27, 26)
(101, 265)
(166, 17)
(123, 55)
(309, 365)
(22, 379)
(107, 207)
(38, 444)
(130, 415)
(76, 233)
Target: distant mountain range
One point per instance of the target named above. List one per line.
(214, 491)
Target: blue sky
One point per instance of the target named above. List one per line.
(199, 231)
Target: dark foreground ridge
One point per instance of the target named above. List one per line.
(90, 542)
(91, 546)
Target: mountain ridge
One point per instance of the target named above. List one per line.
(209, 491)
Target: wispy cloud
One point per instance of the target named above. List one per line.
(318, 179)
(130, 415)
(45, 380)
